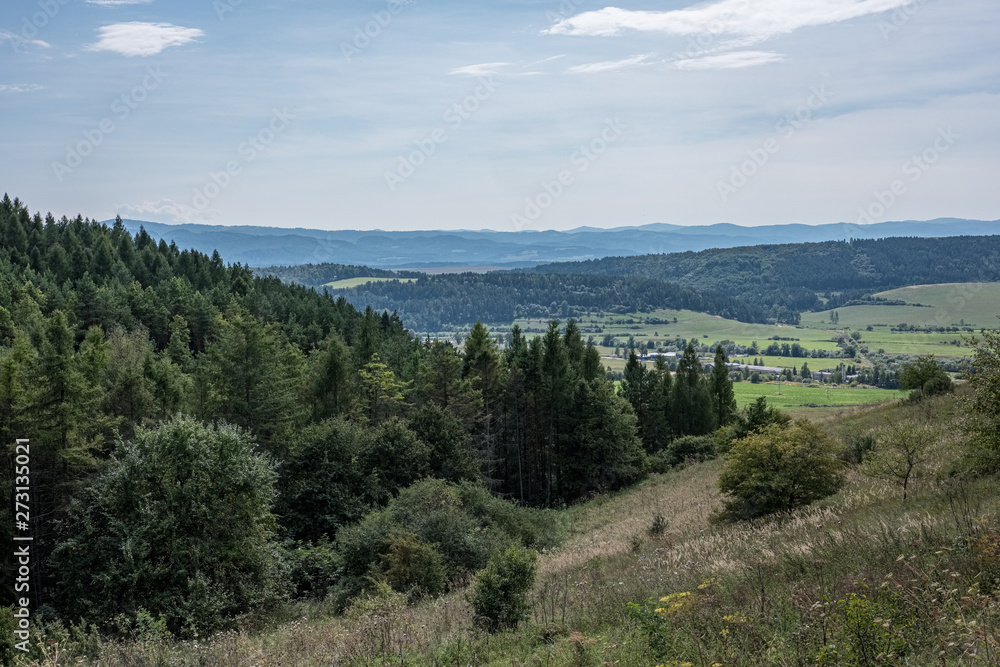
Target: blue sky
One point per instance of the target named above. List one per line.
(506, 115)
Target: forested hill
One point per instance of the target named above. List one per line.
(794, 275)
(317, 275)
(206, 445)
(100, 275)
(438, 303)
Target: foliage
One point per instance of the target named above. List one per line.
(983, 409)
(314, 567)
(499, 597)
(925, 377)
(411, 565)
(901, 452)
(462, 523)
(779, 469)
(771, 276)
(180, 525)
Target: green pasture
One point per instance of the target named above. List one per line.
(357, 282)
(798, 396)
(976, 305)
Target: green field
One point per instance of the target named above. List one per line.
(963, 305)
(799, 396)
(709, 328)
(966, 306)
(976, 305)
(357, 282)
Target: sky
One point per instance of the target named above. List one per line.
(508, 115)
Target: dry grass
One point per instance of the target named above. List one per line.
(613, 557)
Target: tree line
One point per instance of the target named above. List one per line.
(450, 301)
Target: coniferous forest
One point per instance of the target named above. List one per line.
(207, 443)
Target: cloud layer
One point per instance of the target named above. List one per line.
(759, 19)
(136, 38)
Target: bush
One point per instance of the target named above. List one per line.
(180, 526)
(499, 597)
(777, 470)
(693, 447)
(313, 568)
(413, 566)
(462, 523)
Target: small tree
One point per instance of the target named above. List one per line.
(778, 470)
(926, 377)
(499, 598)
(983, 408)
(180, 525)
(900, 452)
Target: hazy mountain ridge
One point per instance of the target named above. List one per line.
(269, 246)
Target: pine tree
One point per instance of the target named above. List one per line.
(691, 403)
(723, 397)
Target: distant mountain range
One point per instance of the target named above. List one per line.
(274, 246)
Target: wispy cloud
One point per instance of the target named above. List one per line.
(611, 65)
(18, 40)
(164, 210)
(734, 60)
(20, 88)
(136, 38)
(484, 69)
(116, 3)
(759, 19)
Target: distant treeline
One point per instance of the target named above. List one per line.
(442, 302)
(794, 276)
(317, 275)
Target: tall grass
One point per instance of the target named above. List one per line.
(860, 578)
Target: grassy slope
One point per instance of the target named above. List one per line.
(770, 592)
(357, 282)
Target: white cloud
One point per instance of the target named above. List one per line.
(757, 19)
(18, 41)
(610, 65)
(734, 60)
(20, 88)
(136, 38)
(116, 3)
(166, 210)
(484, 69)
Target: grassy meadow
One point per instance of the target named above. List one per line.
(858, 575)
(358, 282)
(794, 396)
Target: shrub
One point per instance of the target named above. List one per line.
(777, 470)
(499, 597)
(413, 566)
(313, 567)
(179, 525)
(693, 447)
(463, 524)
